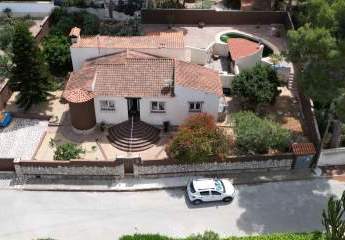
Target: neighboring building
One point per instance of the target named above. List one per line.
(165, 44)
(154, 89)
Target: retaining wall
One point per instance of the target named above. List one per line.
(332, 157)
(230, 165)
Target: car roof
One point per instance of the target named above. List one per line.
(204, 184)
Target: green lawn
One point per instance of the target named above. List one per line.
(213, 236)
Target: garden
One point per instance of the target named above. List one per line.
(263, 122)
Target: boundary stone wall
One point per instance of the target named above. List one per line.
(73, 168)
(194, 16)
(6, 164)
(158, 168)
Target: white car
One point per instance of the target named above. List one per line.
(209, 190)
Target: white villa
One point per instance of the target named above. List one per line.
(153, 79)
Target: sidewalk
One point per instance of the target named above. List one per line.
(141, 184)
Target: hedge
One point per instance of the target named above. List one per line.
(213, 236)
(259, 135)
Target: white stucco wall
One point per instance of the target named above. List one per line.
(226, 79)
(34, 9)
(79, 55)
(331, 157)
(221, 49)
(250, 61)
(177, 108)
(111, 117)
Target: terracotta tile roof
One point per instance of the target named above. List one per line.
(161, 40)
(303, 149)
(240, 48)
(135, 78)
(198, 77)
(79, 85)
(135, 74)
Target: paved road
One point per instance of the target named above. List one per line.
(270, 207)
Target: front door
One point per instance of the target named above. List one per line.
(133, 105)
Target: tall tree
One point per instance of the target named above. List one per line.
(317, 51)
(57, 54)
(30, 74)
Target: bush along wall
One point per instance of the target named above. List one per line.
(259, 135)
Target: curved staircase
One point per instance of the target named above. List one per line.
(143, 136)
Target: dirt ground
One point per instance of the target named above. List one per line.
(53, 107)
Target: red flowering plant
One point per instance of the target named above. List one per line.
(198, 140)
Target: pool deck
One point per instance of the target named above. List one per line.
(202, 37)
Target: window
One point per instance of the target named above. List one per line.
(195, 106)
(192, 189)
(216, 193)
(107, 105)
(157, 106)
(205, 193)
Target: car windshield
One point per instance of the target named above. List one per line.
(219, 186)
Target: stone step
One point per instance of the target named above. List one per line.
(126, 148)
(146, 133)
(143, 136)
(136, 141)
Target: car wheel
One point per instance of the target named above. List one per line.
(227, 199)
(197, 202)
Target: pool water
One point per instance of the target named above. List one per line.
(225, 37)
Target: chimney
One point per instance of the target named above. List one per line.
(74, 35)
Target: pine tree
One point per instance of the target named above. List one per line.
(30, 73)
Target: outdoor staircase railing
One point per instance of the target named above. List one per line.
(131, 137)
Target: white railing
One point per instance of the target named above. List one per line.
(131, 137)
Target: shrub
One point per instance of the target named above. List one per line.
(63, 21)
(132, 27)
(208, 235)
(233, 4)
(169, 4)
(214, 236)
(258, 85)
(68, 151)
(198, 140)
(257, 135)
(144, 237)
(333, 218)
(56, 52)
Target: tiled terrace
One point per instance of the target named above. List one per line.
(202, 37)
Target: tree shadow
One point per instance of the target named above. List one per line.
(294, 206)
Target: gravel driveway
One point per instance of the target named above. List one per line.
(21, 137)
